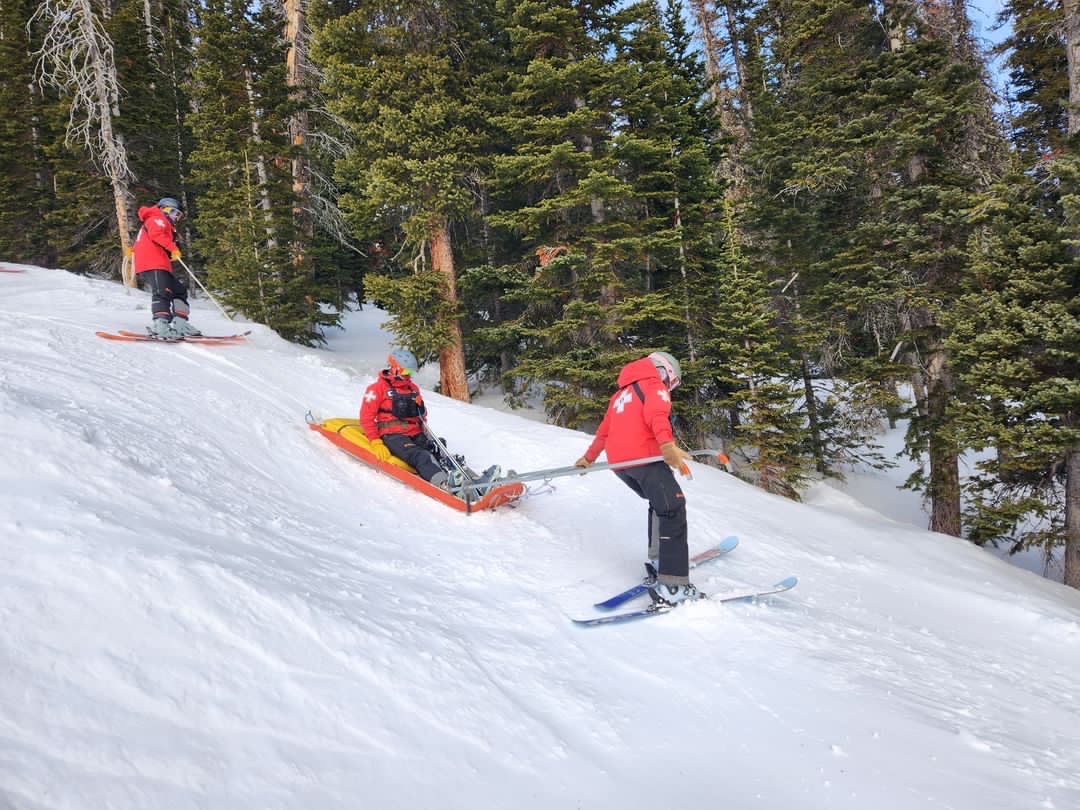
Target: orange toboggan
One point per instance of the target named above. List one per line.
(349, 436)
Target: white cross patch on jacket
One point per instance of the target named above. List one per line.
(622, 399)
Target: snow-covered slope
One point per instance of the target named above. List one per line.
(205, 605)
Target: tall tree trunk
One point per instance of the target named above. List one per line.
(121, 195)
(106, 94)
(597, 209)
(451, 359)
(1072, 458)
(148, 27)
(295, 64)
(691, 343)
(596, 205)
(260, 164)
(742, 78)
(1072, 54)
(944, 487)
(1072, 517)
(812, 418)
(487, 237)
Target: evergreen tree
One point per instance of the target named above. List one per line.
(58, 180)
(1014, 336)
(1038, 74)
(153, 65)
(552, 187)
(24, 173)
(245, 222)
(894, 141)
(750, 377)
(1017, 357)
(810, 179)
(404, 78)
(603, 180)
(914, 238)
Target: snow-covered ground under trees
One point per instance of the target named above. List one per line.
(206, 605)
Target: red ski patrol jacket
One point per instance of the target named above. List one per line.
(156, 240)
(638, 418)
(392, 405)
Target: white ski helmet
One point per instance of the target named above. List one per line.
(668, 366)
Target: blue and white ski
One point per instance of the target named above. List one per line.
(726, 545)
(656, 609)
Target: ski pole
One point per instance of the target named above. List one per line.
(442, 447)
(558, 472)
(466, 480)
(191, 274)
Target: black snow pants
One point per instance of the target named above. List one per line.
(667, 518)
(168, 294)
(417, 451)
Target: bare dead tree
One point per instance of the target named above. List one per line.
(76, 57)
(327, 139)
(712, 48)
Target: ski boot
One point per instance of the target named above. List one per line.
(483, 482)
(669, 595)
(163, 329)
(183, 327)
(449, 481)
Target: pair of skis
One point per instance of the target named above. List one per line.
(655, 609)
(141, 337)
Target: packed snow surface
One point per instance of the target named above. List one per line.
(207, 605)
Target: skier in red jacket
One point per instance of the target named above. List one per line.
(154, 252)
(638, 424)
(391, 416)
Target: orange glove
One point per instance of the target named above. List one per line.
(675, 456)
(583, 463)
(175, 255)
(380, 450)
(128, 251)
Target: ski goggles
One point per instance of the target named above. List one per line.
(174, 214)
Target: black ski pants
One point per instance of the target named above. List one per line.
(417, 451)
(168, 294)
(667, 530)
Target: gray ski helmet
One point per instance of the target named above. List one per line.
(402, 362)
(171, 208)
(669, 368)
